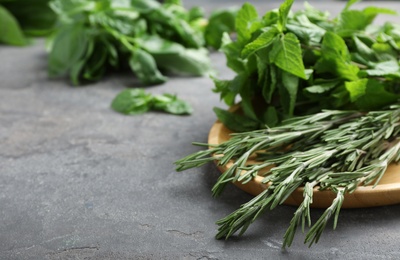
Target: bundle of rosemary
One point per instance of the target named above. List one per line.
(319, 98)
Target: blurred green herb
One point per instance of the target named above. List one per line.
(20, 19)
(150, 38)
(137, 101)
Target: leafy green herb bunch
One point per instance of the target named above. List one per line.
(296, 63)
(146, 36)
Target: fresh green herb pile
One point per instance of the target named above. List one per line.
(150, 38)
(300, 64)
(21, 18)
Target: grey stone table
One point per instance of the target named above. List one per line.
(79, 181)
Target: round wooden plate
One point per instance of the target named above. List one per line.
(387, 192)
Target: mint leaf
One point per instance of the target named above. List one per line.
(350, 22)
(350, 3)
(284, 10)
(232, 51)
(286, 54)
(370, 94)
(371, 12)
(356, 88)
(247, 21)
(385, 68)
(335, 58)
(288, 93)
(262, 41)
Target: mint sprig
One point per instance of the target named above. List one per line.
(297, 63)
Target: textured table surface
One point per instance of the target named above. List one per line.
(79, 181)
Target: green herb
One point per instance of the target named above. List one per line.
(10, 31)
(220, 22)
(22, 18)
(318, 106)
(34, 16)
(150, 38)
(137, 101)
(335, 150)
(298, 63)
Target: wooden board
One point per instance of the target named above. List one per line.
(387, 192)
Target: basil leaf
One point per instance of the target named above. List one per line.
(69, 47)
(10, 31)
(145, 68)
(171, 104)
(132, 102)
(220, 21)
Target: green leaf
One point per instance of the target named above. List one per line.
(247, 22)
(290, 84)
(366, 52)
(351, 22)
(145, 68)
(322, 87)
(95, 65)
(194, 62)
(222, 86)
(69, 46)
(286, 54)
(175, 58)
(271, 117)
(370, 94)
(335, 58)
(284, 10)
(236, 122)
(262, 41)
(350, 3)
(269, 86)
(219, 22)
(232, 51)
(35, 17)
(171, 104)
(356, 88)
(385, 68)
(77, 68)
(371, 12)
(132, 102)
(10, 31)
(145, 6)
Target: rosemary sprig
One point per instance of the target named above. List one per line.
(331, 150)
